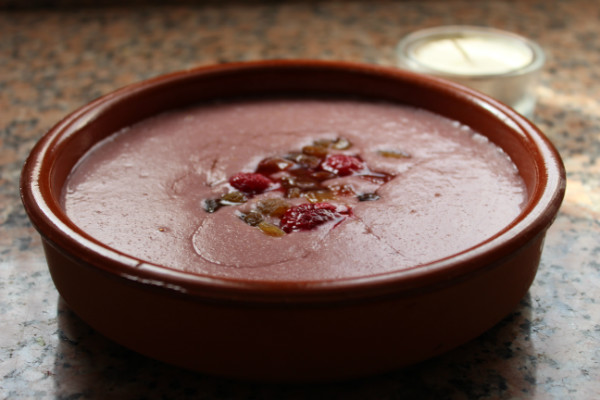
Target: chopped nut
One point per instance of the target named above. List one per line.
(368, 197)
(211, 205)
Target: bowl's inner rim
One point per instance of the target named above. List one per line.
(59, 230)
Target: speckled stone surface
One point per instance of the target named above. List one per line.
(53, 60)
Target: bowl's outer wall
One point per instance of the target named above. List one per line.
(365, 328)
(293, 342)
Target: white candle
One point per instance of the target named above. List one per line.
(501, 64)
(468, 54)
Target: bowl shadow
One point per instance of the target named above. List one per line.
(498, 364)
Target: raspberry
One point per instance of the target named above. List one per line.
(342, 164)
(308, 216)
(249, 182)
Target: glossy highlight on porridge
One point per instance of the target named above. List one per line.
(224, 189)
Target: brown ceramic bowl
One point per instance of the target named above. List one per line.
(299, 330)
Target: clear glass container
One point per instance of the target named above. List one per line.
(498, 63)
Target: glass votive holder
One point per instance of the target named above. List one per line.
(498, 63)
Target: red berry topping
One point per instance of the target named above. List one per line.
(249, 182)
(309, 215)
(342, 164)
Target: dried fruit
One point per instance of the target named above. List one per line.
(322, 175)
(270, 229)
(308, 216)
(274, 207)
(288, 182)
(234, 197)
(317, 151)
(293, 156)
(342, 164)
(338, 144)
(300, 174)
(293, 193)
(307, 184)
(326, 143)
(272, 165)
(317, 196)
(253, 218)
(341, 144)
(249, 182)
(304, 160)
(393, 154)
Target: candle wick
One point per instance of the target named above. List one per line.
(461, 50)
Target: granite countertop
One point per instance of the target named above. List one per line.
(54, 59)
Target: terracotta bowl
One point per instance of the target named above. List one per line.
(301, 330)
